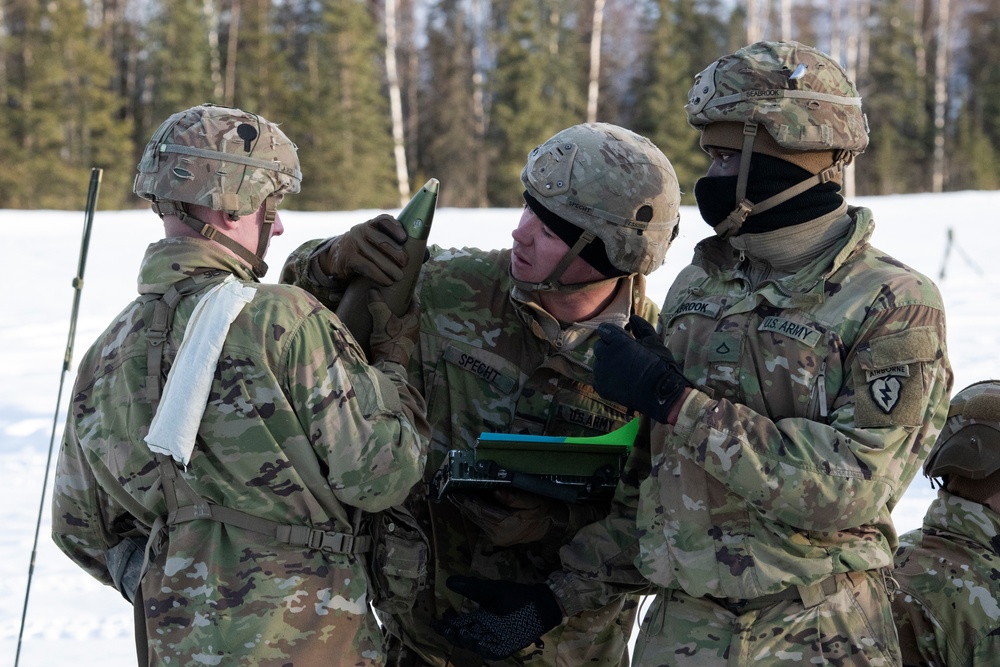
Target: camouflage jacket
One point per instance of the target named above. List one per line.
(491, 359)
(298, 430)
(947, 605)
(818, 396)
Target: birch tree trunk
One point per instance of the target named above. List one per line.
(395, 103)
(940, 93)
(595, 61)
(214, 57)
(850, 66)
(753, 21)
(480, 119)
(835, 28)
(229, 90)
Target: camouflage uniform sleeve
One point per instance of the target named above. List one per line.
(599, 564)
(77, 526)
(302, 270)
(844, 472)
(366, 425)
(82, 516)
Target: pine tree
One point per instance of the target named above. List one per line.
(896, 103)
(974, 160)
(539, 86)
(684, 39)
(337, 111)
(62, 116)
(13, 21)
(451, 150)
(178, 71)
(261, 67)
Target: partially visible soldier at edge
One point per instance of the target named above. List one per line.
(272, 434)
(947, 601)
(796, 384)
(506, 345)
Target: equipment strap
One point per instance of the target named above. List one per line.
(255, 261)
(184, 504)
(777, 93)
(231, 157)
(745, 208)
(294, 535)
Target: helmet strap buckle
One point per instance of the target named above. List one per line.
(734, 221)
(207, 231)
(270, 213)
(830, 173)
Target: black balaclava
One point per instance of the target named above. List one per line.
(716, 196)
(594, 253)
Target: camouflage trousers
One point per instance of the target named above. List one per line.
(846, 622)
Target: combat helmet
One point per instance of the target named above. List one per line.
(969, 443)
(613, 184)
(800, 97)
(225, 159)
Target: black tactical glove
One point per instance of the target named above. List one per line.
(510, 616)
(373, 249)
(640, 373)
(392, 337)
(124, 561)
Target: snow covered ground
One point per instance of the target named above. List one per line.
(73, 620)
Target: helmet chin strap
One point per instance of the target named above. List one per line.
(551, 282)
(255, 261)
(745, 208)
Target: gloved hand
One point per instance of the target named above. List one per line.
(510, 616)
(640, 373)
(373, 249)
(392, 337)
(513, 516)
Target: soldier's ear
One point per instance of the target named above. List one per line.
(225, 222)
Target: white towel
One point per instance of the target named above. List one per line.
(185, 394)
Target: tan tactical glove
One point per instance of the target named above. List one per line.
(373, 249)
(392, 337)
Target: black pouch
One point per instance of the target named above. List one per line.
(398, 560)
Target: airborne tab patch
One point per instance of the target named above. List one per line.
(800, 332)
(902, 370)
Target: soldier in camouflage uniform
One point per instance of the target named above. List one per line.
(947, 601)
(254, 558)
(796, 384)
(506, 345)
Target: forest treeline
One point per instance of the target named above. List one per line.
(380, 95)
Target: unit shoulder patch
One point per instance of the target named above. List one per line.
(885, 392)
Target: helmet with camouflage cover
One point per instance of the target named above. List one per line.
(612, 183)
(969, 443)
(801, 96)
(222, 158)
(804, 101)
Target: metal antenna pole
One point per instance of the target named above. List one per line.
(88, 221)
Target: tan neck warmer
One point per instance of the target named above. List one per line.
(789, 249)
